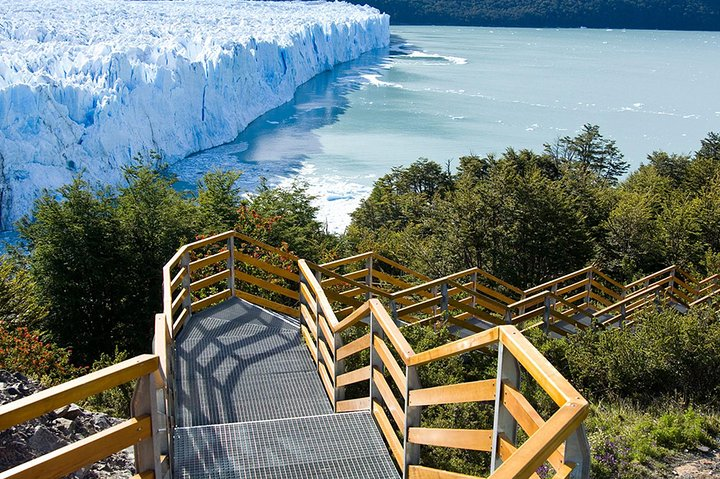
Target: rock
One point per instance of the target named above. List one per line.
(65, 425)
(44, 440)
(703, 449)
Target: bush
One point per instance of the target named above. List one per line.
(115, 401)
(665, 354)
(26, 352)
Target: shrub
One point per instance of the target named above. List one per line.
(26, 352)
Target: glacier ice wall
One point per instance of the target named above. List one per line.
(87, 84)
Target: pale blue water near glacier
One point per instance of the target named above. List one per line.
(444, 92)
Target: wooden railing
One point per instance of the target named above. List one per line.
(147, 430)
(396, 397)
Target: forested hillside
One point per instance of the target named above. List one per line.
(657, 14)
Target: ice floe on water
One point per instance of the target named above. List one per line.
(86, 84)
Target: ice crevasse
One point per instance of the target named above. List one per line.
(87, 84)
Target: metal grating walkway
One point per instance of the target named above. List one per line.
(250, 404)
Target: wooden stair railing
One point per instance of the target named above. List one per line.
(147, 430)
(559, 441)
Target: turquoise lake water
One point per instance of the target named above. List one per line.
(444, 92)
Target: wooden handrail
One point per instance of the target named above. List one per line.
(47, 400)
(649, 277)
(430, 284)
(550, 283)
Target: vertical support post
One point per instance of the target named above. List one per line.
(671, 284)
(375, 361)
(546, 314)
(412, 419)
(394, 310)
(434, 292)
(445, 305)
(577, 450)
(231, 265)
(162, 396)
(588, 288)
(187, 301)
(522, 308)
(141, 405)
(504, 424)
(474, 287)
(369, 276)
(339, 369)
(318, 312)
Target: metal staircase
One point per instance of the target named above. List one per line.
(250, 404)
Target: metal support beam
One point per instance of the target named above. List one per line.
(412, 419)
(577, 450)
(504, 423)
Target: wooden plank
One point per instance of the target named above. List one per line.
(360, 344)
(474, 311)
(180, 322)
(605, 290)
(401, 267)
(350, 405)
(607, 278)
(267, 267)
(209, 240)
(177, 302)
(177, 280)
(327, 358)
(520, 318)
(339, 298)
(549, 284)
(423, 472)
(506, 449)
(600, 299)
(387, 278)
(430, 284)
(650, 277)
(402, 347)
(419, 306)
(557, 387)
(309, 298)
(472, 439)
(351, 293)
(266, 303)
(499, 281)
(538, 448)
(354, 275)
(210, 300)
(474, 391)
(89, 450)
(471, 343)
(208, 260)
(352, 377)
(327, 383)
(388, 433)
(309, 342)
(267, 285)
(307, 316)
(389, 398)
(519, 408)
(36, 405)
(210, 280)
(580, 284)
(266, 247)
(327, 334)
(390, 364)
(343, 261)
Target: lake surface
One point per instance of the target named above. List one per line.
(445, 92)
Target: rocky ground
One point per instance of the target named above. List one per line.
(702, 464)
(53, 430)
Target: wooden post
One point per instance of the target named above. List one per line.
(504, 423)
(231, 265)
(141, 405)
(187, 301)
(369, 276)
(412, 419)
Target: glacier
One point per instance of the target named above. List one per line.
(85, 85)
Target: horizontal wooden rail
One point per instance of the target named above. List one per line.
(36, 405)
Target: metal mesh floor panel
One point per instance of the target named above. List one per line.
(271, 396)
(346, 446)
(235, 308)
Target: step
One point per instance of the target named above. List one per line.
(338, 446)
